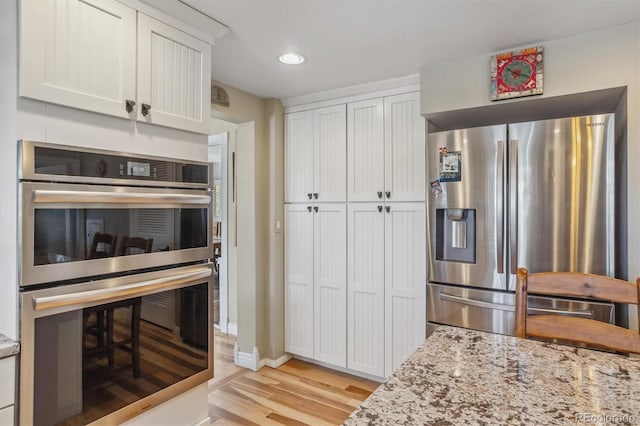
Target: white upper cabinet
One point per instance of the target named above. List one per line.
(298, 157)
(174, 74)
(365, 150)
(404, 147)
(386, 149)
(103, 56)
(77, 53)
(315, 155)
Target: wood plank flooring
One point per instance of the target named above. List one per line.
(296, 393)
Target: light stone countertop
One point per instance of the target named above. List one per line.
(461, 376)
(8, 347)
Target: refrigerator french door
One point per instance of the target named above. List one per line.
(538, 195)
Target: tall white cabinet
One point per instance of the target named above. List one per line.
(355, 269)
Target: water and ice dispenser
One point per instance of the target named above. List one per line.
(456, 235)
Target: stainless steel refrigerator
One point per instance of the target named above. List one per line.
(538, 195)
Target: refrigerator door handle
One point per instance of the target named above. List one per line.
(500, 208)
(474, 302)
(513, 205)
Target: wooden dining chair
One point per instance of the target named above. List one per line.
(135, 245)
(573, 329)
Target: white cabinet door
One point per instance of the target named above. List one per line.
(365, 311)
(404, 140)
(174, 77)
(405, 281)
(298, 157)
(299, 279)
(330, 154)
(330, 283)
(78, 53)
(365, 150)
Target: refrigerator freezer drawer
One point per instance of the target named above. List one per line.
(494, 311)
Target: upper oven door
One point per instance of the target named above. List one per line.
(73, 231)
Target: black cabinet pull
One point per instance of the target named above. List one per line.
(315, 195)
(387, 208)
(380, 194)
(380, 209)
(145, 109)
(315, 209)
(129, 104)
(388, 194)
(309, 195)
(309, 209)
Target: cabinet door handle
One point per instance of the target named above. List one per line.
(315, 195)
(145, 109)
(387, 208)
(380, 209)
(380, 194)
(309, 195)
(315, 209)
(388, 193)
(309, 209)
(129, 104)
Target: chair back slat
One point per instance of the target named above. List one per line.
(570, 328)
(582, 285)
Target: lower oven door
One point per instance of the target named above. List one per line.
(105, 351)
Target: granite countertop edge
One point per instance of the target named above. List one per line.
(8, 347)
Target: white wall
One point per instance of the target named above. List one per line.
(581, 63)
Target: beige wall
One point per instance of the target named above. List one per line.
(260, 192)
(580, 63)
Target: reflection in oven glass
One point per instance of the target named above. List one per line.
(93, 361)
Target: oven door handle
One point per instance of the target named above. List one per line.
(127, 290)
(93, 197)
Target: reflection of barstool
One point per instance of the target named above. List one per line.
(102, 330)
(108, 246)
(139, 245)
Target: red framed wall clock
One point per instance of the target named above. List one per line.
(516, 74)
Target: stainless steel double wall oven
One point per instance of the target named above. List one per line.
(115, 282)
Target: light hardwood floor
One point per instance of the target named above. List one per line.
(296, 393)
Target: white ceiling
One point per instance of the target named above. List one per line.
(349, 42)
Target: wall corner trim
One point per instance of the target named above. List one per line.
(252, 360)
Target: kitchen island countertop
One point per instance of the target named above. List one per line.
(8, 347)
(461, 376)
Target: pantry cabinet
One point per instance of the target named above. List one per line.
(386, 149)
(103, 56)
(386, 284)
(315, 155)
(315, 281)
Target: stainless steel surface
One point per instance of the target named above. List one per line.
(29, 273)
(477, 190)
(29, 316)
(459, 234)
(565, 199)
(500, 201)
(78, 197)
(169, 280)
(26, 167)
(493, 311)
(513, 208)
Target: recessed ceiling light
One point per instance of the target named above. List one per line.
(291, 58)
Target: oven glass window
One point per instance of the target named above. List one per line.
(91, 362)
(70, 235)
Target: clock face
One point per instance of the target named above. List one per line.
(515, 74)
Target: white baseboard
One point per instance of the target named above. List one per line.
(252, 360)
(275, 363)
(205, 421)
(227, 327)
(246, 359)
(341, 369)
